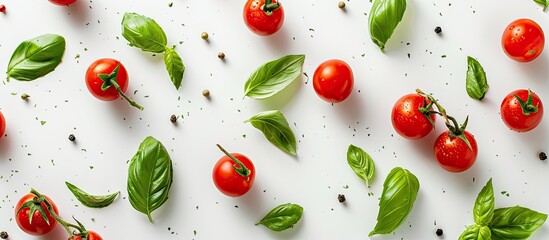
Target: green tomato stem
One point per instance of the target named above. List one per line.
(66, 225)
(117, 87)
(242, 170)
(270, 7)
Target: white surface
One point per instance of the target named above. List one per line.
(41, 156)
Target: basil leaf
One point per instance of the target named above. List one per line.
(484, 205)
(150, 176)
(89, 200)
(273, 76)
(175, 66)
(361, 163)
(544, 3)
(36, 57)
(276, 129)
(515, 223)
(282, 217)
(476, 232)
(476, 83)
(144, 33)
(399, 193)
(384, 18)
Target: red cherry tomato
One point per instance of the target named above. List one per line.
(2, 125)
(94, 83)
(525, 116)
(62, 2)
(39, 225)
(91, 236)
(453, 154)
(263, 18)
(523, 40)
(230, 177)
(333, 80)
(408, 121)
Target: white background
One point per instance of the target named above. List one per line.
(108, 133)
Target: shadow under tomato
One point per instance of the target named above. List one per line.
(351, 109)
(78, 12)
(122, 108)
(5, 146)
(252, 201)
(57, 234)
(537, 68)
(278, 42)
(283, 97)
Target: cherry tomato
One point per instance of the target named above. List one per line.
(453, 154)
(94, 82)
(523, 40)
(2, 125)
(333, 80)
(233, 174)
(263, 17)
(521, 115)
(408, 120)
(62, 2)
(39, 225)
(91, 236)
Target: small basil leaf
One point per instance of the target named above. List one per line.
(476, 232)
(144, 33)
(361, 163)
(515, 223)
(36, 57)
(544, 3)
(89, 200)
(476, 83)
(399, 194)
(276, 129)
(282, 217)
(484, 205)
(175, 66)
(150, 176)
(273, 76)
(384, 18)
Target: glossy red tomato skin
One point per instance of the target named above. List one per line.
(408, 121)
(259, 22)
(228, 181)
(94, 83)
(62, 2)
(523, 40)
(91, 236)
(511, 111)
(39, 225)
(2, 125)
(453, 154)
(333, 80)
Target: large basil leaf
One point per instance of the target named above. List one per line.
(399, 194)
(476, 232)
(484, 205)
(175, 66)
(89, 200)
(476, 83)
(276, 129)
(384, 18)
(515, 223)
(361, 163)
(150, 176)
(545, 3)
(273, 76)
(36, 57)
(282, 217)
(144, 33)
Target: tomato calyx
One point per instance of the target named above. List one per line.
(35, 205)
(109, 80)
(238, 167)
(427, 111)
(527, 107)
(270, 7)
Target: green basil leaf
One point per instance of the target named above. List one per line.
(273, 76)
(484, 205)
(544, 3)
(282, 217)
(150, 176)
(144, 33)
(36, 57)
(515, 223)
(89, 200)
(361, 163)
(476, 83)
(384, 18)
(276, 129)
(476, 232)
(399, 194)
(175, 66)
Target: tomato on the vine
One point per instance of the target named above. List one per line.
(523, 40)
(62, 2)
(233, 174)
(263, 17)
(2, 125)
(41, 221)
(413, 116)
(333, 80)
(521, 110)
(91, 236)
(453, 153)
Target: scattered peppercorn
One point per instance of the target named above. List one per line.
(72, 138)
(341, 198)
(542, 156)
(439, 232)
(204, 36)
(25, 96)
(173, 118)
(341, 5)
(4, 234)
(206, 93)
(221, 55)
(438, 30)
(2, 8)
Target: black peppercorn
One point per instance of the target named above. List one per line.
(4, 235)
(173, 118)
(438, 30)
(439, 232)
(72, 137)
(341, 198)
(542, 156)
